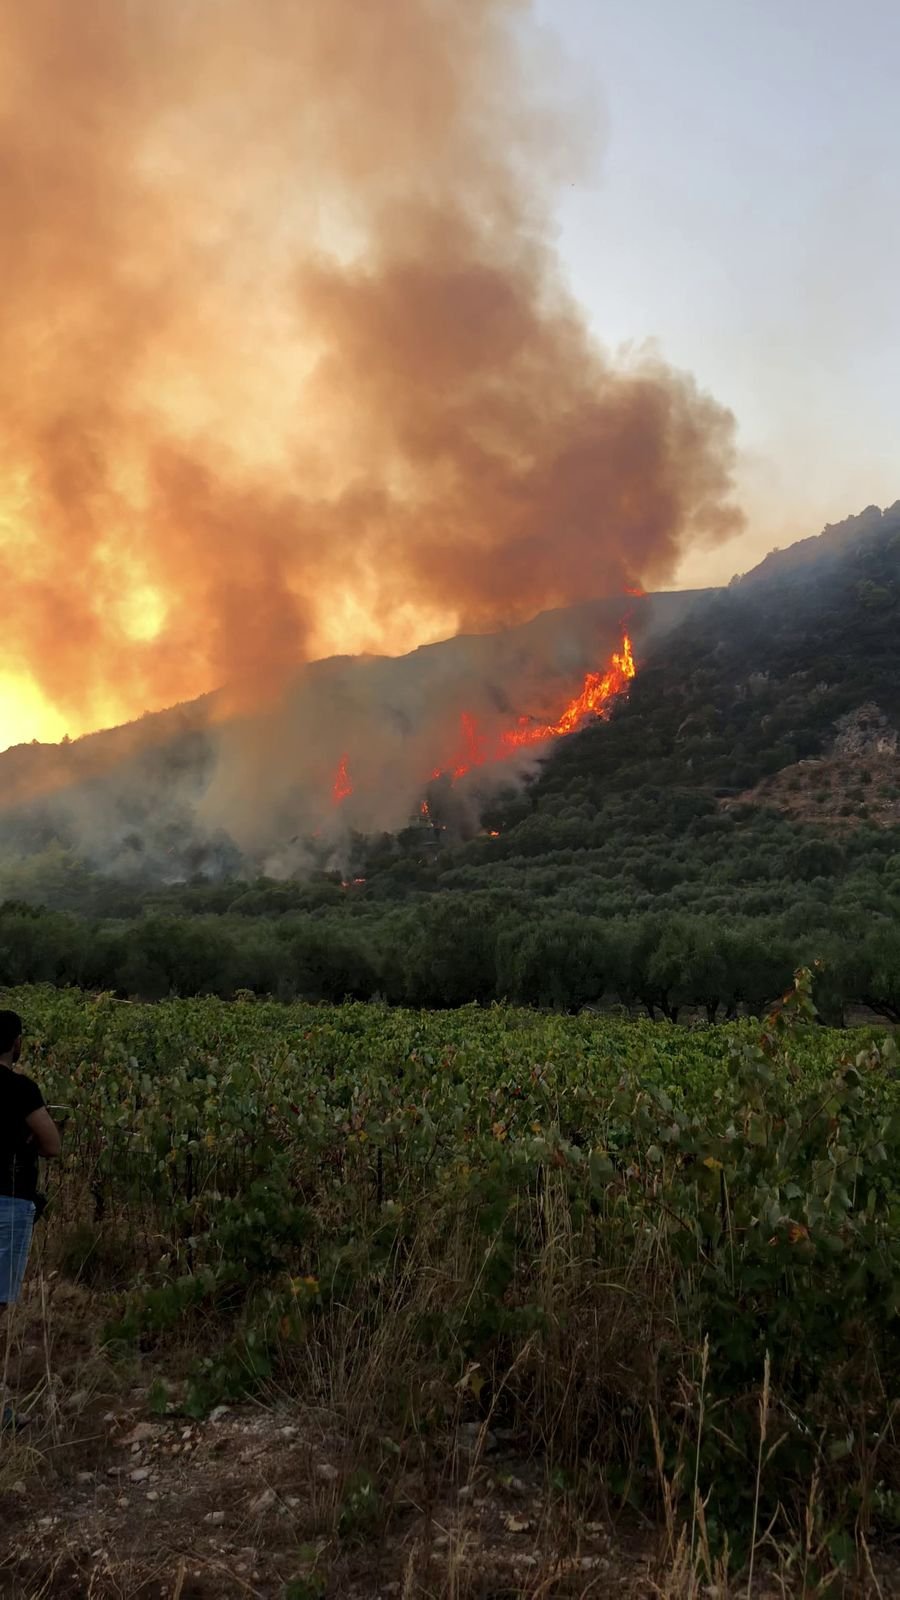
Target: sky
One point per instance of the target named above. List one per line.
(743, 211)
(736, 210)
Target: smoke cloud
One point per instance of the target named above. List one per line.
(286, 364)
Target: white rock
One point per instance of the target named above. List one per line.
(140, 1474)
(327, 1472)
(152, 1494)
(19, 1487)
(140, 1434)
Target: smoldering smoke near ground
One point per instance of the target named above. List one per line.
(195, 791)
(288, 366)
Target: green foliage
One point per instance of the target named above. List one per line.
(783, 1225)
(361, 1512)
(616, 872)
(311, 1586)
(566, 1209)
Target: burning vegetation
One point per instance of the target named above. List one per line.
(478, 747)
(292, 371)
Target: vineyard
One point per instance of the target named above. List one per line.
(664, 1261)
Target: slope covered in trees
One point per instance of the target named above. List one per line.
(631, 866)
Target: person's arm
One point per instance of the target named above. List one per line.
(44, 1132)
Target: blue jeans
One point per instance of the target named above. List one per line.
(16, 1223)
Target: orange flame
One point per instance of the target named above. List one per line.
(476, 748)
(598, 690)
(342, 786)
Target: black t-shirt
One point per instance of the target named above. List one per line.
(19, 1096)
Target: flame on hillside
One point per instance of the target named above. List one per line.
(598, 690)
(477, 747)
(342, 788)
(290, 367)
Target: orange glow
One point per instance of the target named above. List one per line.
(267, 394)
(477, 748)
(473, 748)
(342, 787)
(25, 714)
(598, 691)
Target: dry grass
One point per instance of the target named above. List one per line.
(460, 1514)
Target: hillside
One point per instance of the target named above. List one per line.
(217, 786)
(727, 822)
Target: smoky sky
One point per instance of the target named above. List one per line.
(287, 364)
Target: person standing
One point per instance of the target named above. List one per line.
(27, 1131)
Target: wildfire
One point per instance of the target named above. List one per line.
(342, 787)
(476, 748)
(473, 750)
(598, 690)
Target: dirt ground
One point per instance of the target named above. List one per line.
(246, 1502)
(102, 1497)
(829, 791)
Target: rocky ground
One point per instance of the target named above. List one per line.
(838, 793)
(258, 1503)
(111, 1492)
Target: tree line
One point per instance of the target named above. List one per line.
(455, 949)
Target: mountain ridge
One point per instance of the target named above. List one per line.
(734, 684)
(641, 860)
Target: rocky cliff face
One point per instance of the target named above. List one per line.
(863, 733)
(859, 781)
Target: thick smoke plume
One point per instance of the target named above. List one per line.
(287, 366)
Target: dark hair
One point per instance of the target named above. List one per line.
(10, 1030)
